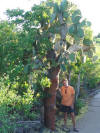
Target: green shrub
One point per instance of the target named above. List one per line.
(14, 107)
(78, 105)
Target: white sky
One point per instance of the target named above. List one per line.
(89, 8)
(12, 4)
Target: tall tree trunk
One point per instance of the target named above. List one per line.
(78, 86)
(69, 76)
(50, 102)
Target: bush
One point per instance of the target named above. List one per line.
(14, 107)
(78, 105)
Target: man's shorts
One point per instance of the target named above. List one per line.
(67, 109)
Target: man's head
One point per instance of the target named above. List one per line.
(65, 82)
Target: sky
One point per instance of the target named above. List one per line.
(90, 9)
(13, 4)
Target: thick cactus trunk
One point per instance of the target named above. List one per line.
(50, 102)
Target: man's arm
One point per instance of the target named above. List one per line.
(73, 97)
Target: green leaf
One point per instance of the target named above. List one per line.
(71, 29)
(94, 49)
(28, 15)
(76, 16)
(76, 19)
(45, 82)
(83, 23)
(65, 61)
(34, 52)
(63, 68)
(95, 58)
(76, 13)
(72, 57)
(56, 8)
(26, 69)
(88, 23)
(63, 5)
(87, 42)
(35, 66)
(90, 54)
(53, 17)
(76, 37)
(60, 60)
(18, 21)
(50, 4)
(15, 12)
(80, 33)
(65, 14)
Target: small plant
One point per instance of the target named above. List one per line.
(78, 105)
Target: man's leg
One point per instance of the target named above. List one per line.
(73, 119)
(65, 123)
(65, 118)
(74, 122)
